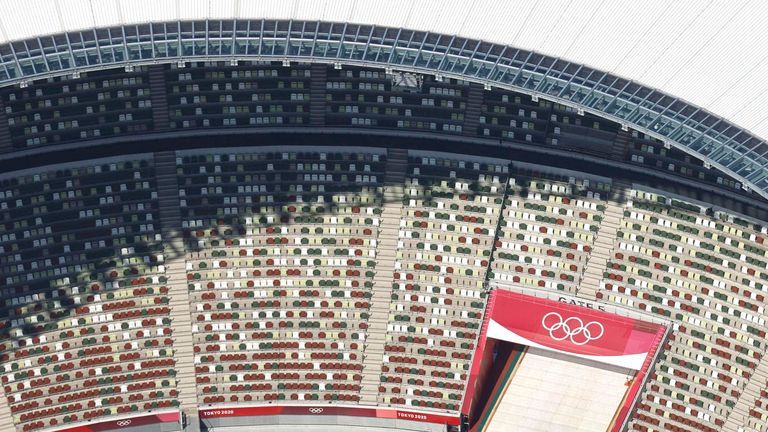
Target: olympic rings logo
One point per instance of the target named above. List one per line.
(123, 423)
(315, 410)
(572, 328)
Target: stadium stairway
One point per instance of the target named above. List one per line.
(6, 145)
(397, 165)
(621, 145)
(159, 98)
(739, 418)
(472, 113)
(317, 94)
(5, 414)
(170, 214)
(397, 162)
(598, 259)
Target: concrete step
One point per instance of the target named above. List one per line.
(601, 251)
(739, 415)
(382, 293)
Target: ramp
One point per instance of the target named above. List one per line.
(551, 391)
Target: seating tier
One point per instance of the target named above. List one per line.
(86, 330)
(547, 232)
(281, 254)
(705, 271)
(447, 227)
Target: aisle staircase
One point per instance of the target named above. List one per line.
(621, 146)
(170, 214)
(6, 418)
(6, 144)
(159, 97)
(739, 419)
(474, 107)
(317, 102)
(601, 249)
(397, 163)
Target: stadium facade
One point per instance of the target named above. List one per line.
(231, 224)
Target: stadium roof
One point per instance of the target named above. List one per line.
(705, 53)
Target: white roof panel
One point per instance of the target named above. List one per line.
(80, 14)
(103, 12)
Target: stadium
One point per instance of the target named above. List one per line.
(411, 215)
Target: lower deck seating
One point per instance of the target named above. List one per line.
(704, 270)
(281, 253)
(447, 230)
(547, 231)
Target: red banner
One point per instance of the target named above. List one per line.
(125, 422)
(324, 410)
(583, 332)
